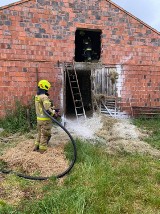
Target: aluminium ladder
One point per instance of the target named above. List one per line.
(75, 90)
(109, 106)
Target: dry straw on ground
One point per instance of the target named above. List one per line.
(23, 159)
(120, 135)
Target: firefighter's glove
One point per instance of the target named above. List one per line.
(57, 113)
(53, 113)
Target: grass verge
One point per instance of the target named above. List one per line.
(152, 127)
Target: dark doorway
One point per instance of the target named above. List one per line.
(87, 45)
(85, 88)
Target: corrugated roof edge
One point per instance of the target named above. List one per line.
(139, 20)
(131, 15)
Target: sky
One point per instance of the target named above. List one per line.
(146, 10)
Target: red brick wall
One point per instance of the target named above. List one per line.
(140, 86)
(18, 81)
(38, 34)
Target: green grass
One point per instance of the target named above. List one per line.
(18, 120)
(99, 183)
(153, 128)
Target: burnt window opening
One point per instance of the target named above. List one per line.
(87, 45)
(84, 82)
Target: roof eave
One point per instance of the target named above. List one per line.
(14, 4)
(131, 15)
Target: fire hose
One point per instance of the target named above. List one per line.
(5, 171)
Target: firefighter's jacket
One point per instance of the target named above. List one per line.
(41, 101)
(87, 44)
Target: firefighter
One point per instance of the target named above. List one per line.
(87, 43)
(44, 123)
(87, 46)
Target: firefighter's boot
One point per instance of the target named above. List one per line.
(42, 149)
(36, 148)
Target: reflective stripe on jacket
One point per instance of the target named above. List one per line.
(41, 101)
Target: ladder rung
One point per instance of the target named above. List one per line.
(75, 90)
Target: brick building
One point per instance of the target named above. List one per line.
(37, 38)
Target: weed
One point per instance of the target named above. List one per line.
(3, 164)
(19, 120)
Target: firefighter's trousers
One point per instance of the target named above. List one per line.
(44, 133)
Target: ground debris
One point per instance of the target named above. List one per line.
(121, 135)
(25, 160)
(9, 138)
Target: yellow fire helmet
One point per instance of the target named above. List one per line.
(44, 84)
